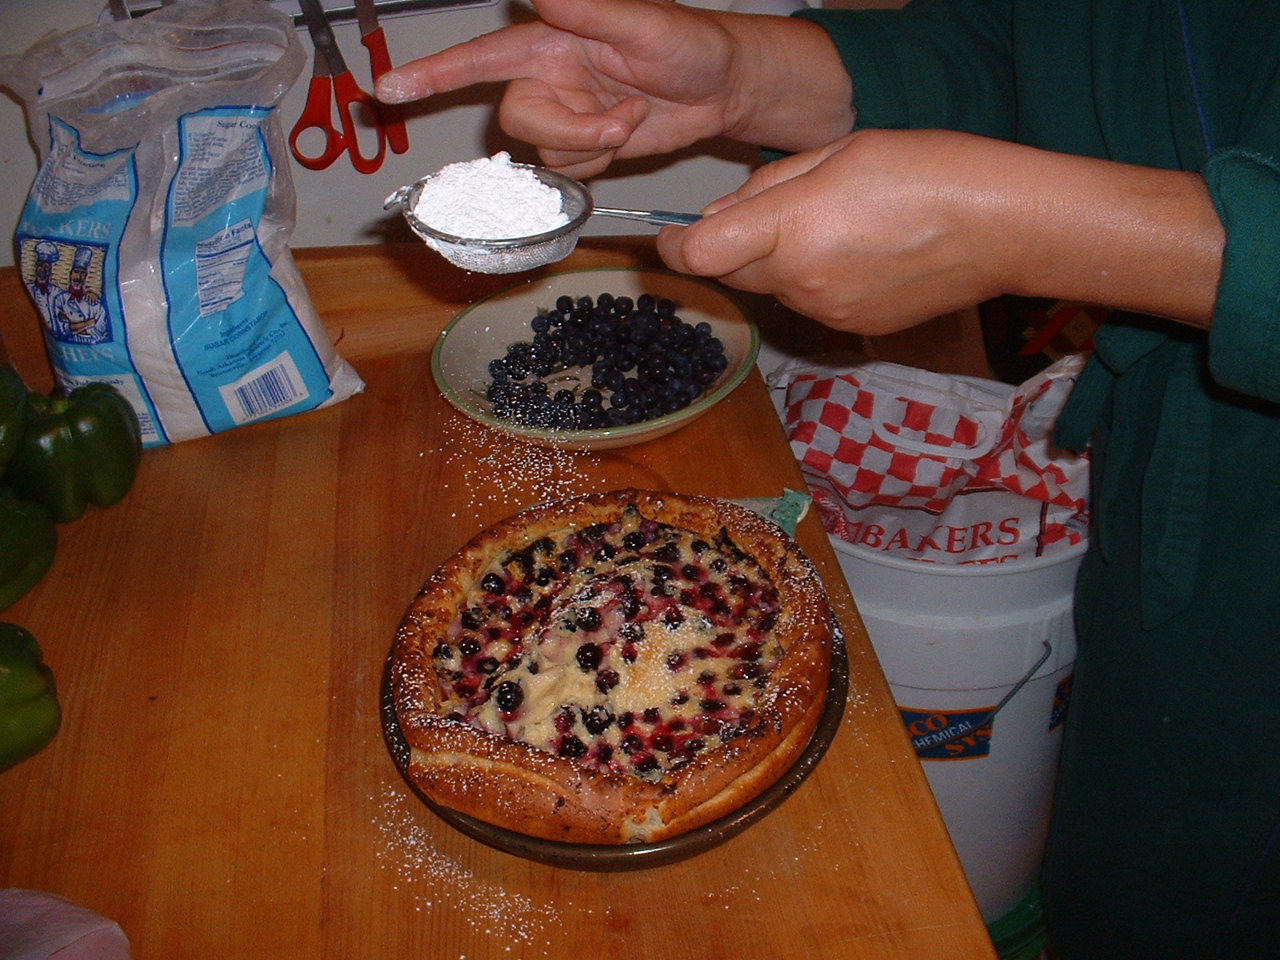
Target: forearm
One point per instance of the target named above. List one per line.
(885, 228)
(1123, 236)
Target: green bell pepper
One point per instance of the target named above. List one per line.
(13, 399)
(77, 449)
(29, 711)
(28, 541)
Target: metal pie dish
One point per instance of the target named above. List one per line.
(481, 333)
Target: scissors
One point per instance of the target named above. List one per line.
(333, 86)
(375, 41)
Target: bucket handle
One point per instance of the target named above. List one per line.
(991, 714)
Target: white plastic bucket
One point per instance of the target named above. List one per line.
(957, 642)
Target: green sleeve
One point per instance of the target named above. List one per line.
(1244, 341)
(933, 64)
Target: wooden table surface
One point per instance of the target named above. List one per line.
(220, 785)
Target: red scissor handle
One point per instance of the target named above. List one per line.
(375, 41)
(348, 95)
(316, 115)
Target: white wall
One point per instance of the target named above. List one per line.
(340, 206)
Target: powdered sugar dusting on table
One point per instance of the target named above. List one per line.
(489, 199)
(529, 927)
(523, 924)
(504, 470)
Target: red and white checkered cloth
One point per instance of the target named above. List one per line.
(936, 467)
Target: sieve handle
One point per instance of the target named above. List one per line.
(650, 216)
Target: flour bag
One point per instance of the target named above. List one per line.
(154, 239)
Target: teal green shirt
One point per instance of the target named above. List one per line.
(1166, 835)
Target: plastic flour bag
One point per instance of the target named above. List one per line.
(154, 240)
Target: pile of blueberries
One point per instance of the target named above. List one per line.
(644, 361)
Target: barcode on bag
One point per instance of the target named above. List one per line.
(264, 390)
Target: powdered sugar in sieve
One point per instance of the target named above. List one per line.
(494, 216)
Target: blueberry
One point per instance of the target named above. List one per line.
(589, 656)
(508, 696)
(563, 719)
(572, 748)
(493, 583)
(669, 552)
(631, 632)
(597, 720)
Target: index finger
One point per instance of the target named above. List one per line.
(489, 58)
(526, 49)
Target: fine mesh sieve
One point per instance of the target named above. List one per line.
(517, 254)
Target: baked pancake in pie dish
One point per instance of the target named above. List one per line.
(612, 669)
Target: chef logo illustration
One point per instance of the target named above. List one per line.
(65, 282)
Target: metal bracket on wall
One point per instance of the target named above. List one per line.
(337, 10)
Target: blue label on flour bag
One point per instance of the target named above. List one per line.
(948, 734)
(244, 358)
(67, 237)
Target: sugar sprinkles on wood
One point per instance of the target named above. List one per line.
(487, 907)
(503, 470)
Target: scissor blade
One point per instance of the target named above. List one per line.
(322, 36)
(366, 16)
